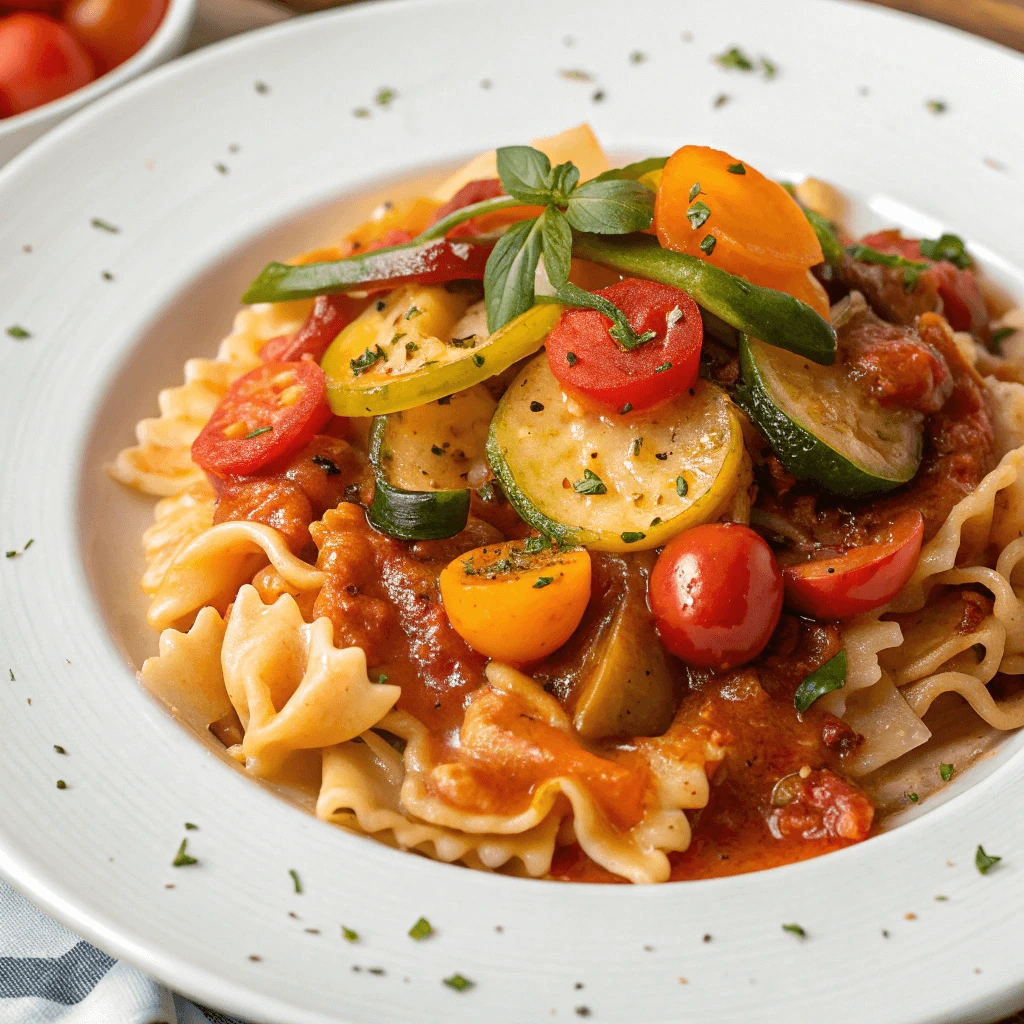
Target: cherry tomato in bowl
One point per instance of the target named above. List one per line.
(113, 30)
(40, 61)
(266, 415)
(716, 595)
(585, 358)
(861, 579)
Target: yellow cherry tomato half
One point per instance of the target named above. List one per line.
(755, 223)
(517, 602)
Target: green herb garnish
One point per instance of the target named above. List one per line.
(681, 486)
(985, 862)
(59, 748)
(663, 368)
(326, 464)
(384, 97)
(257, 432)
(478, 360)
(736, 59)
(635, 446)
(946, 772)
(912, 269)
(913, 797)
(795, 929)
(697, 214)
(999, 336)
(946, 247)
(366, 360)
(436, 450)
(421, 930)
(459, 983)
(61, 784)
(105, 225)
(694, 191)
(18, 332)
(543, 581)
(181, 858)
(737, 168)
(828, 677)
(590, 484)
(707, 244)
(631, 536)
(937, 106)
(295, 879)
(381, 678)
(570, 357)
(191, 827)
(349, 935)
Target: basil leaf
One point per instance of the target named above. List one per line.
(985, 862)
(611, 207)
(632, 172)
(590, 484)
(561, 181)
(912, 269)
(510, 273)
(571, 295)
(556, 236)
(950, 248)
(698, 214)
(525, 173)
(830, 676)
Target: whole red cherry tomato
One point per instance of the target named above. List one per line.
(40, 61)
(113, 30)
(266, 415)
(863, 578)
(584, 357)
(330, 315)
(716, 595)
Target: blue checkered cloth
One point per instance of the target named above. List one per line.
(48, 975)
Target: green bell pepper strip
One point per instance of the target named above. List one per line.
(426, 259)
(774, 317)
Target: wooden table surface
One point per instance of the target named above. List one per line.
(1000, 20)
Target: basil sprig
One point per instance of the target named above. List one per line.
(828, 677)
(571, 295)
(602, 206)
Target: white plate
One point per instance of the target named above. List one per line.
(97, 855)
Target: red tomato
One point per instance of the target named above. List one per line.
(716, 595)
(46, 6)
(331, 313)
(40, 61)
(266, 415)
(584, 357)
(864, 578)
(113, 30)
(472, 192)
(962, 301)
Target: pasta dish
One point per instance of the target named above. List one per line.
(599, 524)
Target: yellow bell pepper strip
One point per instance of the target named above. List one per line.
(776, 318)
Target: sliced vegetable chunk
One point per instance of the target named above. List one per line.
(420, 344)
(517, 601)
(425, 461)
(614, 481)
(823, 426)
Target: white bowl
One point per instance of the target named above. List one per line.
(18, 131)
(275, 107)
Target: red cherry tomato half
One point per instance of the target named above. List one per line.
(584, 357)
(40, 61)
(266, 415)
(863, 578)
(716, 595)
(113, 30)
(331, 314)
(472, 192)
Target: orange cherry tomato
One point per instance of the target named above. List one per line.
(516, 602)
(40, 61)
(113, 30)
(756, 224)
(799, 283)
(266, 415)
(861, 579)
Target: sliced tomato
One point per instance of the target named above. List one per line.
(716, 595)
(962, 301)
(266, 416)
(585, 358)
(331, 313)
(862, 578)
(40, 61)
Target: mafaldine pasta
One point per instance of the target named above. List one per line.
(598, 524)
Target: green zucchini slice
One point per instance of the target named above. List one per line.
(608, 481)
(426, 460)
(823, 427)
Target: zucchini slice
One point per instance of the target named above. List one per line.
(425, 461)
(421, 343)
(639, 478)
(823, 427)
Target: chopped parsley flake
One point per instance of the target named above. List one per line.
(366, 360)
(459, 983)
(681, 486)
(824, 679)
(107, 275)
(628, 407)
(221, 168)
(694, 191)
(736, 59)
(410, 347)
(361, 112)
(478, 360)
(326, 464)
(697, 214)
(946, 772)
(447, 400)
(707, 244)
(257, 432)
(181, 858)
(590, 484)
(18, 332)
(937, 106)
(295, 879)
(59, 748)
(737, 168)
(413, 311)
(436, 450)
(61, 784)
(635, 446)
(663, 368)
(397, 338)
(983, 861)
(656, 521)
(543, 581)
(385, 97)
(631, 536)
(769, 68)
(637, 57)
(349, 935)
(105, 225)
(1000, 335)
(947, 247)
(576, 75)
(11, 672)
(913, 797)
(721, 99)
(191, 827)
(421, 930)
(570, 357)
(795, 929)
